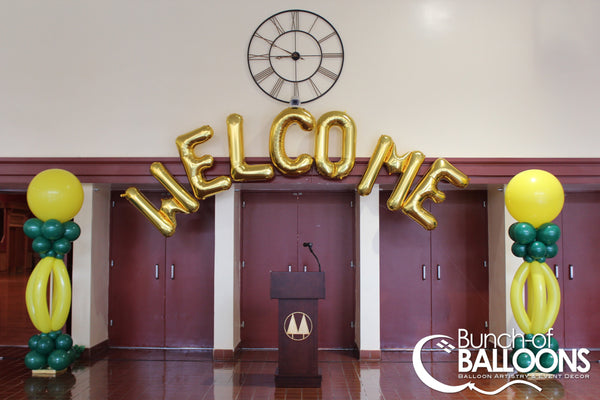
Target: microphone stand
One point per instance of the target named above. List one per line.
(309, 245)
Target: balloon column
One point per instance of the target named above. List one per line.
(54, 196)
(534, 198)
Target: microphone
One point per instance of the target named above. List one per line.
(309, 245)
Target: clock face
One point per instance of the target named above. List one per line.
(295, 55)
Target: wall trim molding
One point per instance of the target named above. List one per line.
(17, 172)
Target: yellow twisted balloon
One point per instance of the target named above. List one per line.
(543, 297)
(35, 295)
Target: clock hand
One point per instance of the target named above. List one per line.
(272, 43)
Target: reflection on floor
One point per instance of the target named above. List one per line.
(157, 374)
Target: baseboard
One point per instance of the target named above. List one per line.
(95, 352)
(369, 355)
(226, 355)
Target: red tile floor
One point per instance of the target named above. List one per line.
(158, 374)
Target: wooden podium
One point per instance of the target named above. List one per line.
(298, 294)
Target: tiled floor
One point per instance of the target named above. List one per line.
(156, 374)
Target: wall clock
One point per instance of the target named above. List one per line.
(295, 56)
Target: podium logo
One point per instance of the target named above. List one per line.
(298, 326)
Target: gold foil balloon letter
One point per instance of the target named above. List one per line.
(194, 166)
(240, 171)
(427, 188)
(279, 157)
(343, 167)
(385, 154)
(163, 219)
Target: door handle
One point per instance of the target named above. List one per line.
(155, 271)
(439, 272)
(305, 269)
(571, 276)
(172, 271)
(424, 272)
(290, 268)
(556, 270)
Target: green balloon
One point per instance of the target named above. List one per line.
(539, 342)
(552, 250)
(518, 343)
(72, 353)
(536, 250)
(33, 227)
(45, 345)
(59, 360)
(41, 245)
(53, 229)
(528, 259)
(553, 343)
(35, 360)
(547, 360)
(54, 334)
(72, 231)
(524, 233)
(511, 231)
(64, 342)
(519, 250)
(548, 233)
(524, 360)
(61, 246)
(33, 341)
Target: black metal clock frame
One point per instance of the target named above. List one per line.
(295, 56)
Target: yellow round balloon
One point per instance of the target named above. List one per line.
(55, 194)
(534, 196)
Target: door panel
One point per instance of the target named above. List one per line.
(190, 288)
(274, 226)
(581, 221)
(459, 247)
(268, 244)
(405, 295)
(327, 220)
(136, 296)
(414, 302)
(147, 311)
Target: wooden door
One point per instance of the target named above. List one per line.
(581, 231)
(189, 280)
(326, 220)
(405, 278)
(146, 307)
(274, 226)
(459, 247)
(416, 301)
(269, 241)
(136, 295)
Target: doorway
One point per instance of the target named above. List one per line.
(434, 282)
(17, 261)
(274, 227)
(161, 289)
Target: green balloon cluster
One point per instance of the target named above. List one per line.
(534, 244)
(51, 238)
(535, 343)
(54, 350)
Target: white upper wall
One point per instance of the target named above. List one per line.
(468, 78)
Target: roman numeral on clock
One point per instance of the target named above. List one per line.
(264, 74)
